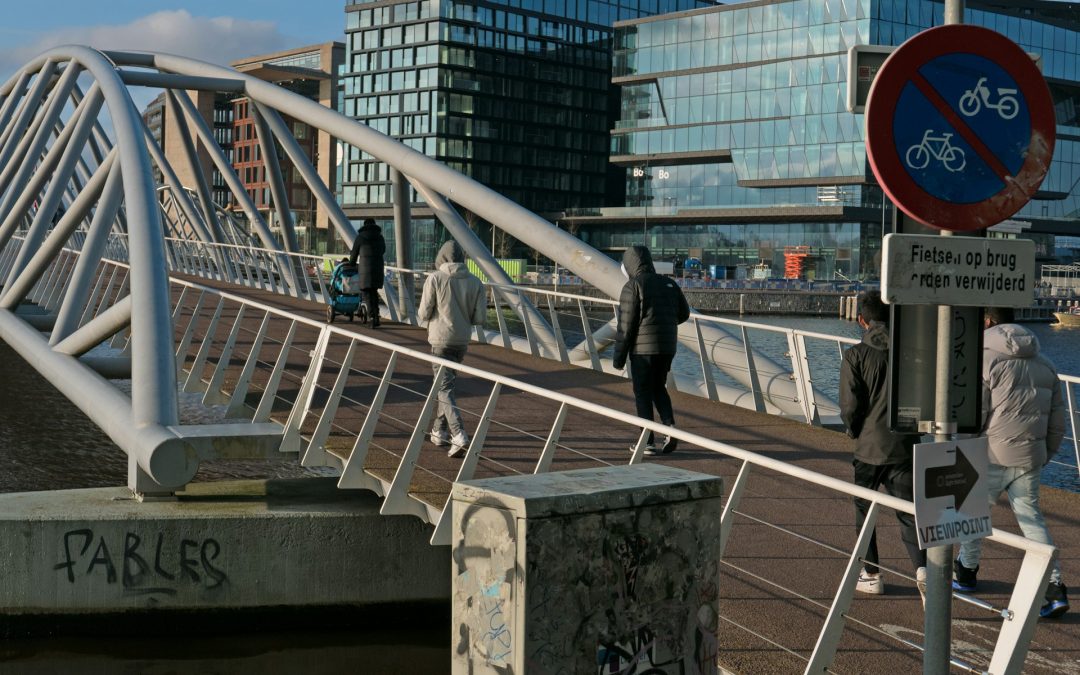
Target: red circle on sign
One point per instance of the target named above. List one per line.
(885, 159)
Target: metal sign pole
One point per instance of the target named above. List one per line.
(937, 625)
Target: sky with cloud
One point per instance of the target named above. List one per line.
(219, 31)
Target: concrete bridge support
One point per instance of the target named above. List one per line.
(586, 571)
(224, 546)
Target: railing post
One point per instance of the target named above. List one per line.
(706, 364)
(290, 438)
(590, 342)
(316, 449)
(397, 500)
(266, 403)
(214, 394)
(238, 400)
(193, 383)
(560, 344)
(353, 476)
(751, 372)
(441, 536)
(829, 638)
(185, 342)
(548, 453)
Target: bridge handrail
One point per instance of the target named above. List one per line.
(795, 336)
(550, 341)
(632, 420)
(1037, 556)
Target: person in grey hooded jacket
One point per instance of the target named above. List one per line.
(452, 303)
(1024, 425)
(882, 457)
(651, 307)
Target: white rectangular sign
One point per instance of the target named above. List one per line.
(951, 497)
(921, 269)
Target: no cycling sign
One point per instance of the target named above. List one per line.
(959, 127)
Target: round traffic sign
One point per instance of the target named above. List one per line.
(959, 127)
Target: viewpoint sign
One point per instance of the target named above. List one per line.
(959, 127)
(931, 270)
(952, 502)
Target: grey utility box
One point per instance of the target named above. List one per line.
(587, 571)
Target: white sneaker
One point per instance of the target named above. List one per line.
(870, 584)
(920, 583)
(458, 444)
(440, 438)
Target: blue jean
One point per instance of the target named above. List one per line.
(447, 415)
(1022, 486)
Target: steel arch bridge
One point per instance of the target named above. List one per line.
(76, 169)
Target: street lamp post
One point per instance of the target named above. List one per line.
(557, 227)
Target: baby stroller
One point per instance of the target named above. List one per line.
(345, 294)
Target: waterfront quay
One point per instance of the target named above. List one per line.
(805, 299)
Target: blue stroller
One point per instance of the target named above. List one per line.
(345, 294)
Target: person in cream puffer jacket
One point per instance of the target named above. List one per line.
(452, 303)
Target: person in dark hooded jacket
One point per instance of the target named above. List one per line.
(651, 307)
(882, 457)
(367, 254)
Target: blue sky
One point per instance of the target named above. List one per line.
(213, 31)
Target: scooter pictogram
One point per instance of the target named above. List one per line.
(978, 96)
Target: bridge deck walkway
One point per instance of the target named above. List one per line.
(758, 555)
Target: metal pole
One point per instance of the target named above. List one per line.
(402, 240)
(938, 616)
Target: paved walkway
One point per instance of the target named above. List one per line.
(761, 620)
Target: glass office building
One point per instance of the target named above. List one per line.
(736, 141)
(514, 93)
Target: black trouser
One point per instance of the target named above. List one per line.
(649, 374)
(897, 481)
(371, 297)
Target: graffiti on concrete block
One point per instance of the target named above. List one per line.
(160, 566)
(485, 556)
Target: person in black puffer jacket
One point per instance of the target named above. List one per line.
(367, 254)
(882, 457)
(651, 307)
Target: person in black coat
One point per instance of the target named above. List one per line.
(651, 307)
(882, 457)
(367, 254)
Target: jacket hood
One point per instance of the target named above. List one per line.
(877, 336)
(637, 260)
(371, 228)
(1012, 340)
(450, 252)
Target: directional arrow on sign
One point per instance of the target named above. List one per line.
(956, 480)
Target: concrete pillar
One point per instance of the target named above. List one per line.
(572, 572)
(742, 303)
(226, 545)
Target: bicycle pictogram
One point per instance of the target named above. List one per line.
(978, 96)
(936, 147)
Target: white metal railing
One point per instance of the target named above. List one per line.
(576, 327)
(579, 329)
(308, 429)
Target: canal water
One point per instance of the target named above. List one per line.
(47, 444)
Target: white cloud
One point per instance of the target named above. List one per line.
(218, 39)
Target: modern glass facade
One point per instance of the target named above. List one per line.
(514, 93)
(735, 127)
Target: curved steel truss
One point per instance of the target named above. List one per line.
(67, 185)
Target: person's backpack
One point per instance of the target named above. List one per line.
(349, 279)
